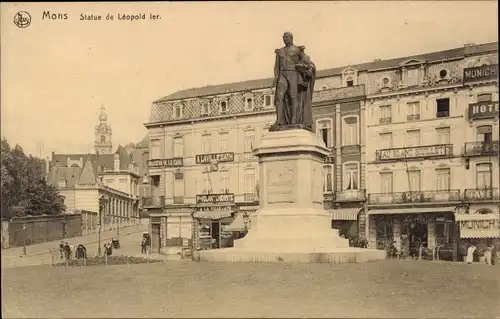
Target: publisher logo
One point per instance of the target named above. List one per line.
(22, 19)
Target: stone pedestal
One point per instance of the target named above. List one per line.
(291, 224)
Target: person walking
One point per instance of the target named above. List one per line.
(487, 254)
(470, 254)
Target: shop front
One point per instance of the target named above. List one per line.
(481, 228)
(346, 221)
(421, 232)
(212, 213)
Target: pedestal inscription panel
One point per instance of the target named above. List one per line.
(281, 183)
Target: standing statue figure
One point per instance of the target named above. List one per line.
(294, 77)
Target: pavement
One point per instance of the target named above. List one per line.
(39, 254)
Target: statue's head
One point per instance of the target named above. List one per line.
(288, 38)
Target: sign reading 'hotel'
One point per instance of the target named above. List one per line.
(481, 73)
(214, 198)
(414, 152)
(217, 157)
(483, 110)
(166, 162)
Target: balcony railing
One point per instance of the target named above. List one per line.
(434, 196)
(443, 114)
(154, 201)
(250, 197)
(426, 151)
(482, 194)
(413, 117)
(482, 148)
(178, 199)
(385, 120)
(350, 195)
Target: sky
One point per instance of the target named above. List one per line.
(55, 74)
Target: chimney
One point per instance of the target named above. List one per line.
(117, 162)
(67, 161)
(81, 161)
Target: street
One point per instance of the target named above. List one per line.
(130, 239)
(390, 288)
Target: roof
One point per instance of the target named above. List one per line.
(87, 176)
(144, 142)
(106, 160)
(374, 65)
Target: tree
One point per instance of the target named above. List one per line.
(23, 184)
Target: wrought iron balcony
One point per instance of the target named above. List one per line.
(426, 151)
(153, 202)
(385, 120)
(481, 148)
(178, 199)
(443, 114)
(413, 117)
(350, 195)
(433, 196)
(250, 197)
(482, 194)
(329, 196)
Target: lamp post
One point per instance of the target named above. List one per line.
(102, 204)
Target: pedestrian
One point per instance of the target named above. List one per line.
(487, 254)
(67, 251)
(143, 246)
(470, 254)
(61, 249)
(71, 251)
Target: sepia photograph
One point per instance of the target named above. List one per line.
(250, 159)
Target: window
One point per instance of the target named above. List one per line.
(224, 182)
(443, 179)
(324, 130)
(178, 146)
(483, 175)
(223, 107)
(385, 114)
(178, 187)
(205, 108)
(207, 184)
(178, 111)
(485, 97)
(207, 144)
(413, 111)
(223, 142)
(385, 141)
(103, 139)
(155, 149)
(350, 83)
(328, 178)
(485, 134)
(249, 141)
(350, 131)
(415, 182)
(248, 103)
(412, 77)
(351, 175)
(268, 100)
(249, 179)
(155, 180)
(413, 138)
(443, 107)
(386, 182)
(443, 134)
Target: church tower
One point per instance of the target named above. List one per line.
(103, 144)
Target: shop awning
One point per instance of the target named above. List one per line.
(238, 224)
(479, 225)
(344, 213)
(219, 214)
(413, 210)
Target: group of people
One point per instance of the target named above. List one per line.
(145, 244)
(66, 251)
(488, 254)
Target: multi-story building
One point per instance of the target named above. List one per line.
(430, 148)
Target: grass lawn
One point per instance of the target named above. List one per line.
(391, 288)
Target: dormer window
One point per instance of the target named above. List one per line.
(248, 102)
(205, 108)
(412, 77)
(268, 100)
(178, 111)
(350, 82)
(223, 107)
(349, 77)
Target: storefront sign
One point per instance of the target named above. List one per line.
(479, 224)
(483, 110)
(415, 152)
(480, 193)
(479, 73)
(215, 157)
(166, 162)
(213, 208)
(214, 198)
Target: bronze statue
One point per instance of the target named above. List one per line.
(294, 77)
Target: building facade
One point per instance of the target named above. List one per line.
(430, 149)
